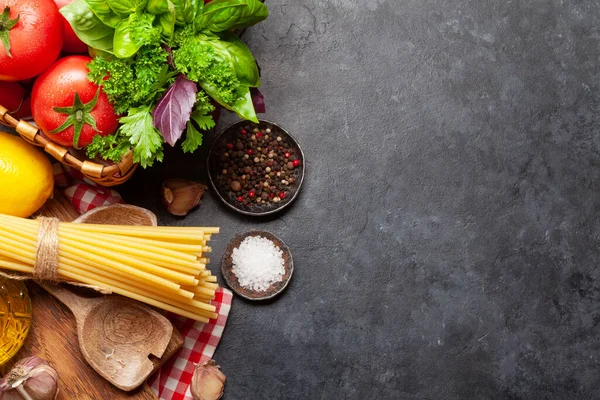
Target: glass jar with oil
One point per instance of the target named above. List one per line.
(15, 317)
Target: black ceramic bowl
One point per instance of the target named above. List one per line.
(221, 183)
(275, 288)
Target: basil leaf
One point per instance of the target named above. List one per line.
(104, 13)
(241, 59)
(242, 106)
(88, 27)
(124, 45)
(158, 6)
(174, 109)
(186, 10)
(222, 15)
(126, 7)
(134, 32)
(166, 22)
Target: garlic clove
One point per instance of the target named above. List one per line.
(42, 383)
(208, 382)
(31, 378)
(181, 195)
(11, 395)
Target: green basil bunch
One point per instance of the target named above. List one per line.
(121, 27)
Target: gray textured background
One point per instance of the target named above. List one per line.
(446, 239)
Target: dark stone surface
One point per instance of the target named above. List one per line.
(446, 240)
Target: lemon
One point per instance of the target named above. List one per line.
(26, 179)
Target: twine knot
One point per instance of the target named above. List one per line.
(46, 255)
(45, 267)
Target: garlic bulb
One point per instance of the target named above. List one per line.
(208, 382)
(30, 379)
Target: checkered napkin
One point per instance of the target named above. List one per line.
(84, 194)
(201, 340)
(172, 381)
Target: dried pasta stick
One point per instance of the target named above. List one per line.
(161, 266)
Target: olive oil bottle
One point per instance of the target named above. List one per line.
(15, 317)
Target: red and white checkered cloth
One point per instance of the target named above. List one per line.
(200, 340)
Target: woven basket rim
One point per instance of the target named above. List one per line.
(106, 175)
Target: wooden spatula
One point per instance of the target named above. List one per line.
(116, 335)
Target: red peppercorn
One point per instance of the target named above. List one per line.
(271, 195)
(250, 152)
(296, 163)
(229, 146)
(244, 132)
(251, 194)
(258, 134)
(269, 163)
(287, 155)
(240, 199)
(282, 195)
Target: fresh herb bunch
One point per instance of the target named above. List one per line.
(162, 63)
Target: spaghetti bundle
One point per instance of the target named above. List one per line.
(164, 267)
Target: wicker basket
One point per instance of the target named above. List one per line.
(104, 175)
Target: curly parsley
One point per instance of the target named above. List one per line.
(198, 58)
(133, 82)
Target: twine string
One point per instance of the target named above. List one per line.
(45, 267)
(46, 255)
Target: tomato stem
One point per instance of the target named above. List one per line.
(78, 116)
(6, 24)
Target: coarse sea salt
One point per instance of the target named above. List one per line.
(257, 263)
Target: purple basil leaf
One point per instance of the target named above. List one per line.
(258, 100)
(170, 55)
(174, 109)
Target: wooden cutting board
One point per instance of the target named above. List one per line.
(53, 336)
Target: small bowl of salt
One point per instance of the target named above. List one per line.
(257, 265)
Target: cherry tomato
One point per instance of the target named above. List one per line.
(30, 37)
(69, 108)
(72, 44)
(13, 98)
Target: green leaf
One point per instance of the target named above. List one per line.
(146, 139)
(202, 120)
(193, 139)
(126, 7)
(6, 24)
(241, 60)
(124, 45)
(222, 15)
(111, 147)
(104, 13)
(88, 27)
(158, 6)
(134, 32)
(242, 104)
(186, 10)
(166, 22)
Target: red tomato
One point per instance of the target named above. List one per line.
(12, 97)
(62, 85)
(72, 43)
(35, 39)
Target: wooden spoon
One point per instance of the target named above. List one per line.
(131, 337)
(118, 214)
(116, 335)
